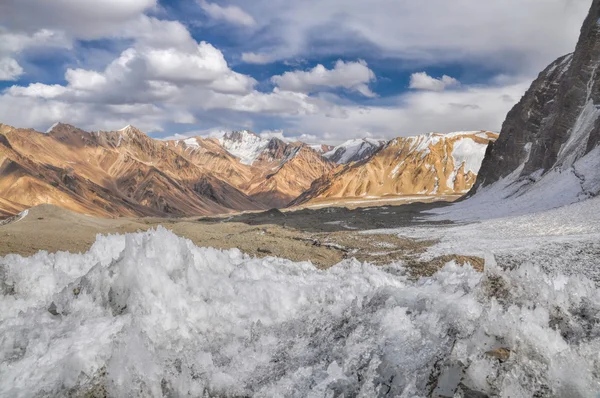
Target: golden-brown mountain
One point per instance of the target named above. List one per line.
(127, 173)
(270, 171)
(118, 173)
(429, 164)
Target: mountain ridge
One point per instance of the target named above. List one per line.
(127, 173)
(430, 164)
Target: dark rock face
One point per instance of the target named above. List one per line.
(237, 136)
(557, 121)
(275, 150)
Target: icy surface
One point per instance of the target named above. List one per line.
(565, 239)
(317, 148)
(192, 143)
(247, 149)
(150, 314)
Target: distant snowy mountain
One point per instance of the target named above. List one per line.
(244, 144)
(353, 150)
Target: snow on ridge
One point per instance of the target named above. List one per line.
(317, 148)
(52, 127)
(192, 142)
(352, 149)
(126, 128)
(470, 153)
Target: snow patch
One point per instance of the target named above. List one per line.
(192, 143)
(470, 153)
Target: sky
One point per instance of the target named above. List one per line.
(316, 70)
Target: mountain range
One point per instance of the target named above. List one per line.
(127, 173)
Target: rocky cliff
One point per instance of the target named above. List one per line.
(547, 153)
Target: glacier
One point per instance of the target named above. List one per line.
(151, 314)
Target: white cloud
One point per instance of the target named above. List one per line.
(254, 58)
(78, 19)
(166, 76)
(231, 14)
(422, 81)
(9, 69)
(349, 75)
(471, 108)
(13, 44)
(517, 35)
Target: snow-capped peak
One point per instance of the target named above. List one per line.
(353, 150)
(244, 144)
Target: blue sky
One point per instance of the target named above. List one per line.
(322, 71)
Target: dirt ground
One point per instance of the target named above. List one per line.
(323, 236)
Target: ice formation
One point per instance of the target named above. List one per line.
(152, 314)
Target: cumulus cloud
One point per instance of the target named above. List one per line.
(78, 19)
(423, 32)
(254, 58)
(422, 81)
(353, 76)
(9, 69)
(13, 44)
(164, 77)
(231, 14)
(161, 75)
(470, 108)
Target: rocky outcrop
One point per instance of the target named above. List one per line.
(547, 153)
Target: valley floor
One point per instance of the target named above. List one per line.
(153, 313)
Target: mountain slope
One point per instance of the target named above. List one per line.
(209, 155)
(432, 164)
(547, 154)
(294, 174)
